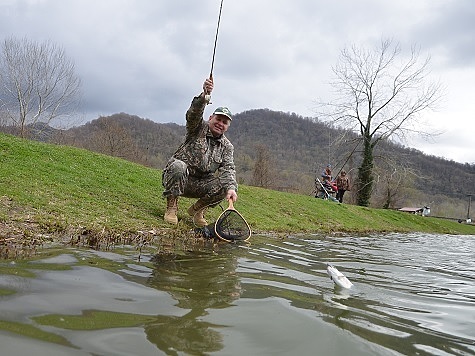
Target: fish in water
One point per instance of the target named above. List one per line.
(338, 278)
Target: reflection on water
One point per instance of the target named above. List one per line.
(413, 294)
(199, 282)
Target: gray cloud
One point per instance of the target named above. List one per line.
(148, 57)
(449, 30)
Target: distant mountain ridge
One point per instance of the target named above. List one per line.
(298, 148)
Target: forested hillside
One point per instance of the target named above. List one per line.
(293, 149)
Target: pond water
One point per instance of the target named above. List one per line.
(413, 294)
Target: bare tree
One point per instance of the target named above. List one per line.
(381, 98)
(263, 174)
(392, 177)
(114, 140)
(37, 83)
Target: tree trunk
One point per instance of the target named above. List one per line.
(365, 174)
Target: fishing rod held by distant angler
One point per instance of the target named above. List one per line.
(208, 96)
(347, 159)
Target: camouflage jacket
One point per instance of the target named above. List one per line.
(202, 152)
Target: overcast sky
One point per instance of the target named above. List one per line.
(149, 57)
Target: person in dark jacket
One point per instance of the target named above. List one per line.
(203, 166)
(343, 184)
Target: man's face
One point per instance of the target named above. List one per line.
(218, 124)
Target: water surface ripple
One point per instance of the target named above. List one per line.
(414, 294)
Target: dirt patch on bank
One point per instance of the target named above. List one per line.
(25, 232)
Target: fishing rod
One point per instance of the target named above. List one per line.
(207, 95)
(348, 158)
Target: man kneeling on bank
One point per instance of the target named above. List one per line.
(203, 165)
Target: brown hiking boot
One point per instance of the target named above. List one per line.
(197, 211)
(172, 208)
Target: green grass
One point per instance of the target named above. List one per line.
(58, 189)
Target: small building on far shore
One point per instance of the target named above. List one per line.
(424, 211)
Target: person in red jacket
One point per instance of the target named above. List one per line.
(328, 183)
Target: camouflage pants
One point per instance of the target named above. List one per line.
(178, 182)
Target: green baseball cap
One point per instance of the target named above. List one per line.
(222, 110)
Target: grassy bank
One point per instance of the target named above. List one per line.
(48, 190)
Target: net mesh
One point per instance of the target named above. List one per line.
(231, 226)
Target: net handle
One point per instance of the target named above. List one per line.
(231, 204)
